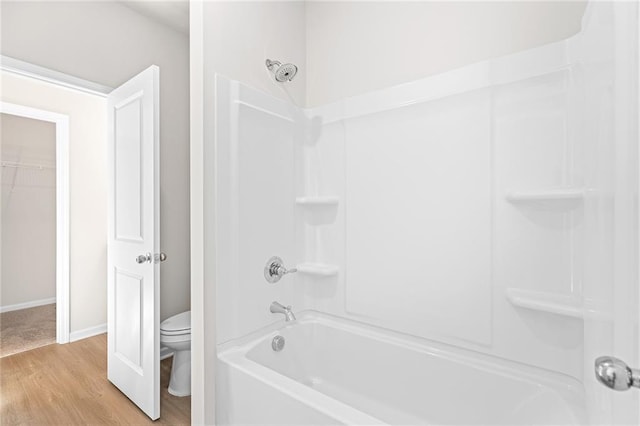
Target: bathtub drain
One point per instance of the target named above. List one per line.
(277, 343)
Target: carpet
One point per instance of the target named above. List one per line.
(27, 329)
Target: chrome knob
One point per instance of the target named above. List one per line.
(160, 257)
(274, 270)
(144, 258)
(615, 374)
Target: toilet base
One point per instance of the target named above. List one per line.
(180, 382)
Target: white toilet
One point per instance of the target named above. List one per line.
(175, 333)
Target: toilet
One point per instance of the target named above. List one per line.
(175, 334)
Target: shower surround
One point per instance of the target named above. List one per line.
(454, 226)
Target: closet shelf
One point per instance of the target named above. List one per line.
(318, 269)
(18, 165)
(316, 201)
(547, 196)
(569, 306)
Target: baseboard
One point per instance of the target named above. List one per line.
(27, 305)
(87, 332)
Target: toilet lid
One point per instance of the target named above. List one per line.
(177, 323)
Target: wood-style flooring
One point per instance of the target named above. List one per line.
(67, 385)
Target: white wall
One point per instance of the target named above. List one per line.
(88, 186)
(108, 43)
(238, 37)
(28, 211)
(354, 47)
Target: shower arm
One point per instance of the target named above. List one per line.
(270, 64)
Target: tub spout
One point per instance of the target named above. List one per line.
(277, 308)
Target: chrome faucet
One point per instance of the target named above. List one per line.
(277, 308)
(275, 269)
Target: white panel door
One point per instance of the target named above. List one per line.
(612, 245)
(133, 284)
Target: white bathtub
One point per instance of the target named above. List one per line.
(334, 371)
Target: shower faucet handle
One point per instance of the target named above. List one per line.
(275, 269)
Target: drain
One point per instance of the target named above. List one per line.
(277, 343)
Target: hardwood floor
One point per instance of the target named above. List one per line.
(67, 385)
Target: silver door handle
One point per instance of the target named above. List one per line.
(144, 258)
(615, 374)
(160, 257)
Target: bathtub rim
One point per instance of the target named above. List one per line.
(569, 388)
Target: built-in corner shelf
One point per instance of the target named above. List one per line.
(315, 201)
(569, 306)
(318, 269)
(571, 196)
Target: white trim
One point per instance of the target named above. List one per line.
(203, 348)
(27, 305)
(62, 208)
(88, 332)
(637, 136)
(26, 69)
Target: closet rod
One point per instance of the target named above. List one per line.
(26, 165)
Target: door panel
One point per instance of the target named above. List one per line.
(128, 311)
(608, 131)
(133, 283)
(128, 176)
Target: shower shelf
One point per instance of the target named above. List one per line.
(569, 306)
(552, 196)
(318, 269)
(317, 201)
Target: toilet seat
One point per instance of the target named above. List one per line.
(174, 333)
(177, 324)
(176, 338)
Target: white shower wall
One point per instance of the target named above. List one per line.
(431, 235)
(466, 201)
(256, 188)
(238, 38)
(452, 207)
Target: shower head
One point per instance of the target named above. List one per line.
(281, 72)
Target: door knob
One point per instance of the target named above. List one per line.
(144, 258)
(615, 374)
(160, 257)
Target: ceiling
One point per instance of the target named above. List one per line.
(173, 13)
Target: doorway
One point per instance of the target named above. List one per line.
(34, 297)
